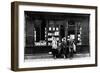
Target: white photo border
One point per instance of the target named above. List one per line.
(48, 63)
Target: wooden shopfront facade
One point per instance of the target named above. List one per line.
(41, 26)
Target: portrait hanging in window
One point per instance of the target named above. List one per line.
(51, 36)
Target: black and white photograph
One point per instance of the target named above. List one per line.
(56, 35)
(51, 36)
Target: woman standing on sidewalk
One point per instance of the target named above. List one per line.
(72, 46)
(54, 47)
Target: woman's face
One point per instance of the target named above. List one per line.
(70, 37)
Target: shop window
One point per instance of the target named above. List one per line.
(75, 29)
(53, 31)
(40, 32)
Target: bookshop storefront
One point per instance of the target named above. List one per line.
(40, 27)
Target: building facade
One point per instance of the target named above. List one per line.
(40, 27)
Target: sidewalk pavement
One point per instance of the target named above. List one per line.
(49, 56)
